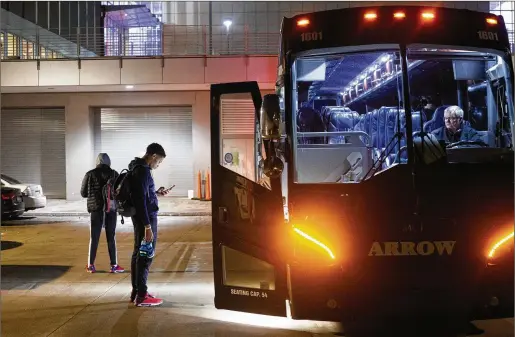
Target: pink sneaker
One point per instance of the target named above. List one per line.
(134, 294)
(117, 269)
(148, 301)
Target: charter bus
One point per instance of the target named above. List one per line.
(381, 176)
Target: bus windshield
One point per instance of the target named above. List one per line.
(461, 97)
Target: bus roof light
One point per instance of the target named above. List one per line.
(302, 22)
(370, 16)
(428, 16)
(491, 21)
(399, 15)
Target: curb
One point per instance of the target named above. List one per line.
(68, 214)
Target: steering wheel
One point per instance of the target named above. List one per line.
(467, 142)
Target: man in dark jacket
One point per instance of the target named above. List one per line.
(144, 198)
(92, 188)
(454, 129)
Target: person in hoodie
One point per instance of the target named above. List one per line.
(144, 199)
(92, 189)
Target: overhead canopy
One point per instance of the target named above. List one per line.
(128, 16)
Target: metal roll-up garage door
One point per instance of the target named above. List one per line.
(124, 133)
(33, 148)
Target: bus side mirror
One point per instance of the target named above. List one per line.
(272, 167)
(270, 117)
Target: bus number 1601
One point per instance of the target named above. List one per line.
(484, 35)
(311, 36)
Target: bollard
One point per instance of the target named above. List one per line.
(208, 185)
(199, 186)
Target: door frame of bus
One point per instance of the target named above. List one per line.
(266, 221)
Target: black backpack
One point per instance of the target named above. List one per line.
(108, 192)
(122, 194)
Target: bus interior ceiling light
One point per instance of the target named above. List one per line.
(302, 22)
(370, 16)
(499, 243)
(129, 86)
(315, 241)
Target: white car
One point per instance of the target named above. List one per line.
(33, 196)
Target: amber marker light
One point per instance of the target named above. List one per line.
(302, 22)
(499, 243)
(399, 15)
(370, 16)
(491, 21)
(428, 16)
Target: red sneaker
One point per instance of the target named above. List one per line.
(117, 269)
(148, 301)
(134, 294)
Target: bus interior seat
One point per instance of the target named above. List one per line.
(340, 121)
(309, 120)
(436, 121)
(479, 118)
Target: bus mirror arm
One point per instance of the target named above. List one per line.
(272, 165)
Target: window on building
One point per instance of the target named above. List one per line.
(507, 10)
(12, 45)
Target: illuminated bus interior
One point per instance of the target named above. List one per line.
(349, 110)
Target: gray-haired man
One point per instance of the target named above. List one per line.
(454, 129)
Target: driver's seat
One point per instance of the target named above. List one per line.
(437, 120)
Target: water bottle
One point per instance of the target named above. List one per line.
(146, 249)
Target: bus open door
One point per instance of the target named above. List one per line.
(248, 218)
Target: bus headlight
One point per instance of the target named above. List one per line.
(500, 245)
(314, 242)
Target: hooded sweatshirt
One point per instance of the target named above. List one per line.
(94, 181)
(143, 191)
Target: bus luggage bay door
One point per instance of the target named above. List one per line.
(249, 267)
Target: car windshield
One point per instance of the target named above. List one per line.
(10, 180)
(463, 98)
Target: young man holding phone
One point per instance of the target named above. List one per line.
(144, 198)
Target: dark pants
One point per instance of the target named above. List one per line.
(140, 265)
(108, 220)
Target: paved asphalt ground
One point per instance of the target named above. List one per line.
(46, 291)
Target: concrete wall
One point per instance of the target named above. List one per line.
(176, 72)
(80, 155)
